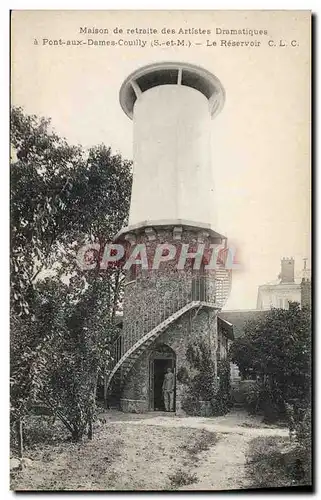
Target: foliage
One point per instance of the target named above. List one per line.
(199, 443)
(29, 341)
(254, 398)
(40, 430)
(221, 403)
(262, 398)
(182, 478)
(300, 425)
(42, 168)
(191, 403)
(77, 354)
(304, 440)
(62, 319)
(182, 375)
(199, 356)
(277, 349)
(62, 370)
(273, 462)
(61, 197)
(298, 467)
(303, 428)
(202, 383)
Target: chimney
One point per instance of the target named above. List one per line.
(287, 270)
(306, 293)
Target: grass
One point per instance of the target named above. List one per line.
(202, 442)
(182, 478)
(274, 462)
(120, 457)
(163, 458)
(39, 430)
(198, 444)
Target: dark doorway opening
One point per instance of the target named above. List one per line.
(160, 368)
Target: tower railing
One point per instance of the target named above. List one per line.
(202, 289)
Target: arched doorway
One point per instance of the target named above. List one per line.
(161, 358)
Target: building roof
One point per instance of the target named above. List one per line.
(225, 327)
(305, 273)
(278, 282)
(171, 73)
(239, 317)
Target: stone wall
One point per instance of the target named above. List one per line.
(154, 295)
(193, 325)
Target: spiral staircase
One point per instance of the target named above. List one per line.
(129, 346)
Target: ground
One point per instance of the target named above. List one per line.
(155, 451)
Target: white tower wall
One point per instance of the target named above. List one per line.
(172, 168)
(171, 105)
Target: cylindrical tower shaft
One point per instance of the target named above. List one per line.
(171, 105)
(172, 168)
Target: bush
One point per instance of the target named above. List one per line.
(300, 426)
(221, 402)
(303, 429)
(273, 462)
(38, 430)
(182, 375)
(277, 348)
(261, 399)
(190, 403)
(204, 386)
(253, 399)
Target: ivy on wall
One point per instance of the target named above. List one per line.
(201, 382)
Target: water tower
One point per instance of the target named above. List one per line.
(165, 310)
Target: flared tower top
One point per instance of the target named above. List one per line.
(171, 73)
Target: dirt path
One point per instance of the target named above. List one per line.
(148, 452)
(236, 424)
(222, 467)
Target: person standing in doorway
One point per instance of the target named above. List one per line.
(168, 390)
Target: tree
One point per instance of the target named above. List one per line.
(42, 168)
(61, 198)
(59, 195)
(277, 349)
(76, 353)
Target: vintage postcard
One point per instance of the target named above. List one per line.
(160, 250)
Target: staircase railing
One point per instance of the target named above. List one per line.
(203, 289)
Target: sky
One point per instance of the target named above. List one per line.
(260, 144)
